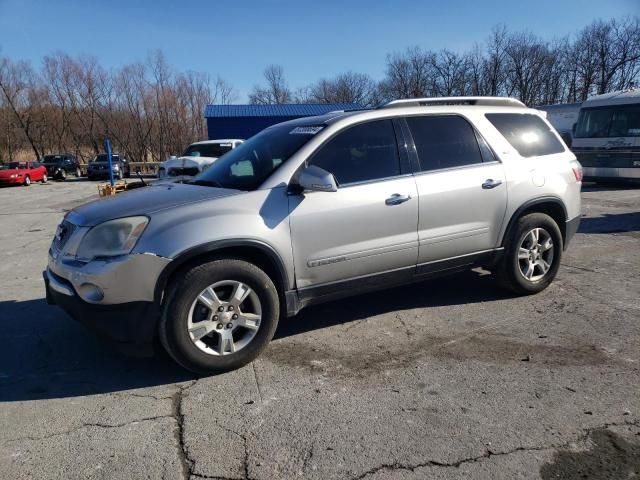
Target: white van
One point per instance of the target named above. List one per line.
(606, 137)
(196, 158)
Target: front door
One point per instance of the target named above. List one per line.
(369, 225)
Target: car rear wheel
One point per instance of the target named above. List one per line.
(45, 179)
(63, 174)
(532, 254)
(27, 181)
(219, 316)
(78, 172)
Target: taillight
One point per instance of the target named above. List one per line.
(577, 170)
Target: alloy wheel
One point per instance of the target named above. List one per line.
(224, 318)
(535, 255)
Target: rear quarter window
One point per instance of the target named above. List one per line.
(527, 133)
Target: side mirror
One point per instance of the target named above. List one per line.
(316, 179)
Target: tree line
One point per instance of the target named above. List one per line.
(602, 57)
(149, 110)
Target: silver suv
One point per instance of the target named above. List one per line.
(315, 209)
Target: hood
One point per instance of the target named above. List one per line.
(144, 201)
(188, 162)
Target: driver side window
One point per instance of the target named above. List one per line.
(361, 153)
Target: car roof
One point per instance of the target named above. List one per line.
(442, 105)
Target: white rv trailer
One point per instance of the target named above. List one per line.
(562, 117)
(606, 138)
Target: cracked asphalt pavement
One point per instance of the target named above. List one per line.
(450, 378)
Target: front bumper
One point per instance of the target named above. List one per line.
(129, 326)
(114, 297)
(11, 181)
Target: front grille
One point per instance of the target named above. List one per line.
(63, 233)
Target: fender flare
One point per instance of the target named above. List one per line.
(211, 247)
(531, 203)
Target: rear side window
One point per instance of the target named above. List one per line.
(527, 133)
(362, 153)
(444, 141)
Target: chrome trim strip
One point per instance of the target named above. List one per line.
(361, 254)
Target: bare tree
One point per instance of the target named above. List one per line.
(18, 84)
(276, 90)
(349, 87)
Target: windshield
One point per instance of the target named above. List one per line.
(207, 150)
(103, 158)
(52, 159)
(250, 164)
(13, 165)
(604, 122)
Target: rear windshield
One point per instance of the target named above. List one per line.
(207, 150)
(527, 133)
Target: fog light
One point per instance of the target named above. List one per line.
(91, 292)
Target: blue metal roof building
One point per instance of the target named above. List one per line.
(244, 121)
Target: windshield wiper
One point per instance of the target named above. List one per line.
(206, 183)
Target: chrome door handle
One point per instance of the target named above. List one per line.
(491, 183)
(397, 199)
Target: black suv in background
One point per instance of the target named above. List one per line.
(60, 165)
(99, 167)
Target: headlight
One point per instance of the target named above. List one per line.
(112, 238)
(14, 175)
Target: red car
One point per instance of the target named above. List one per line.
(22, 173)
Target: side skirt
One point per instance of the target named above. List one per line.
(297, 299)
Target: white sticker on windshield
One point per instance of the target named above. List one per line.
(306, 130)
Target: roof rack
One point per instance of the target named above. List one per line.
(438, 101)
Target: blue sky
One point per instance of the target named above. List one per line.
(237, 39)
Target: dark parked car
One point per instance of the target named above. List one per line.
(99, 167)
(60, 165)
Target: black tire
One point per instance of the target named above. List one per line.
(78, 172)
(182, 293)
(27, 181)
(63, 174)
(509, 272)
(120, 175)
(45, 179)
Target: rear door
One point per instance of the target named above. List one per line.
(461, 187)
(369, 225)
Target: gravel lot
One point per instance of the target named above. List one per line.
(451, 378)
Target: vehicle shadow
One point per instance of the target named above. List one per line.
(44, 354)
(464, 288)
(611, 223)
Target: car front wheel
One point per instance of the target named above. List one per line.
(532, 254)
(219, 316)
